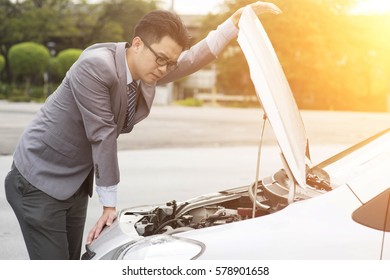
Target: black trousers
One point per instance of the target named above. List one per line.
(52, 229)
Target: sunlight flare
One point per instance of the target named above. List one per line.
(372, 7)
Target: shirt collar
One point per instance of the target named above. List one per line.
(129, 78)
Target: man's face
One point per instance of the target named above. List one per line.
(155, 60)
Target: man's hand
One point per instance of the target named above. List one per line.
(258, 7)
(107, 218)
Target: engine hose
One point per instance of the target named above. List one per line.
(165, 224)
(253, 197)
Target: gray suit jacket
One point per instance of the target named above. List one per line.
(76, 130)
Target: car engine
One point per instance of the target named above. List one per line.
(270, 195)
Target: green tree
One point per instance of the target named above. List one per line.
(332, 58)
(29, 61)
(66, 58)
(66, 24)
(109, 21)
(2, 63)
(32, 20)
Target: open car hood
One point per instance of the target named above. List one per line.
(275, 95)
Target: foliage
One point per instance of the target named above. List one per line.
(331, 58)
(2, 63)
(119, 14)
(17, 97)
(108, 21)
(29, 59)
(55, 70)
(35, 21)
(66, 58)
(3, 90)
(65, 24)
(191, 102)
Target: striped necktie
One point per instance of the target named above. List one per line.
(131, 102)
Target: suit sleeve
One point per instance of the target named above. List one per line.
(90, 80)
(203, 52)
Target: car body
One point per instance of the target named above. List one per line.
(338, 209)
(350, 221)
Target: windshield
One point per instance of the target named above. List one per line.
(363, 166)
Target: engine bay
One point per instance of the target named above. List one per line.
(269, 196)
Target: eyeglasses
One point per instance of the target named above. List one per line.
(160, 60)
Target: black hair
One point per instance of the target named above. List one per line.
(155, 25)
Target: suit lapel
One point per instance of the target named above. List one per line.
(120, 113)
(145, 101)
(145, 92)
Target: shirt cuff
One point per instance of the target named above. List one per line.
(107, 195)
(219, 38)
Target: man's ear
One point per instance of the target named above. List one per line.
(136, 43)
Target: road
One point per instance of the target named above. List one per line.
(189, 127)
(180, 152)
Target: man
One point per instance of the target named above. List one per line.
(73, 138)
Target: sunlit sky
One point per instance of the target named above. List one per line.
(211, 6)
(373, 6)
(206, 6)
(193, 6)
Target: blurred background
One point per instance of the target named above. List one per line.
(335, 54)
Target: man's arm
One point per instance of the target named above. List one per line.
(259, 8)
(203, 52)
(90, 81)
(90, 87)
(208, 49)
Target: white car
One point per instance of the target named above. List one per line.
(338, 209)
